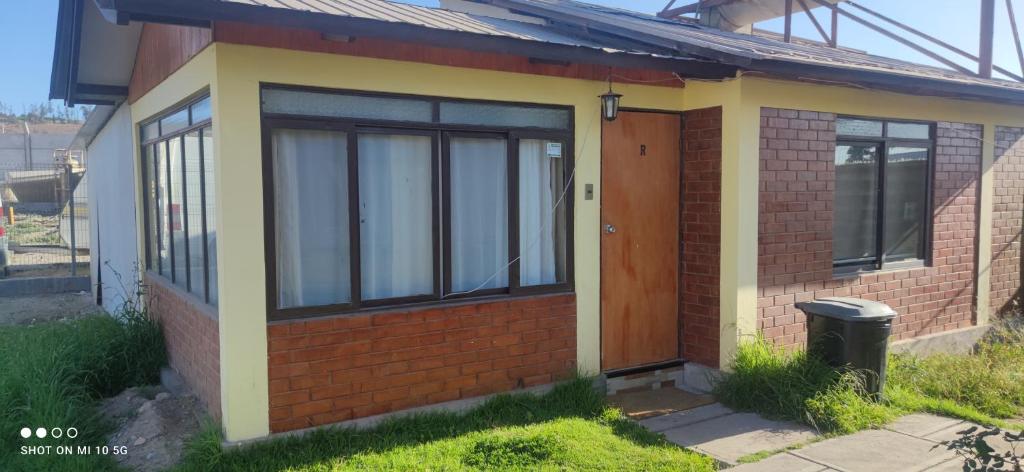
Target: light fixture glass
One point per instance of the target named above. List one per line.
(610, 103)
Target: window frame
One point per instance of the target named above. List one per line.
(440, 185)
(884, 142)
(155, 267)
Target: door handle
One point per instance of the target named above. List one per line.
(609, 229)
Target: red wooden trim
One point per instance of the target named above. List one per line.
(313, 41)
(163, 49)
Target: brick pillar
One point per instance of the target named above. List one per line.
(701, 228)
(1007, 211)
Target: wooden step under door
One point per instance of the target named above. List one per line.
(640, 210)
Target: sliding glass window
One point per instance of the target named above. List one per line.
(881, 210)
(177, 172)
(383, 200)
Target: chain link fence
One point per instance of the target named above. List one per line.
(46, 217)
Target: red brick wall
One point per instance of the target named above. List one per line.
(329, 370)
(192, 334)
(795, 231)
(1006, 218)
(701, 228)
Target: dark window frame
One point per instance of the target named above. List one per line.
(884, 143)
(440, 133)
(198, 128)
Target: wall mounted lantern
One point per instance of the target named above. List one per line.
(610, 103)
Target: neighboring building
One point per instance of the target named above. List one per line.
(347, 208)
(30, 146)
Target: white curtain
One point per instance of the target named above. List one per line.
(479, 206)
(211, 211)
(541, 225)
(311, 217)
(395, 216)
(177, 216)
(161, 209)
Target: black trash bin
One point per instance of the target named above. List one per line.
(851, 332)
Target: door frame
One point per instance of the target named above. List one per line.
(679, 274)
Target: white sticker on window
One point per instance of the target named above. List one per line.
(554, 150)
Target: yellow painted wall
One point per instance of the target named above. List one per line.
(241, 69)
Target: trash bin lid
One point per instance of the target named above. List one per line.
(848, 309)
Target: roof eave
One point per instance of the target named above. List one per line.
(64, 80)
(203, 12)
(62, 47)
(900, 83)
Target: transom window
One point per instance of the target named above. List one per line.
(177, 172)
(881, 207)
(379, 200)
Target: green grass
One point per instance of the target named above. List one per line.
(800, 387)
(569, 428)
(52, 374)
(34, 229)
(762, 455)
(986, 387)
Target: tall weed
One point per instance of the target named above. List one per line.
(51, 374)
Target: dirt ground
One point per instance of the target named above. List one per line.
(38, 308)
(153, 424)
(45, 262)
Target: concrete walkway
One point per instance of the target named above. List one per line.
(908, 444)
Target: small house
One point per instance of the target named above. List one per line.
(343, 209)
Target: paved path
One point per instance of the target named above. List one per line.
(908, 444)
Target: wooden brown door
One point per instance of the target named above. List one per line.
(640, 198)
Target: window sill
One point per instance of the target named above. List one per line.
(153, 278)
(328, 312)
(849, 273)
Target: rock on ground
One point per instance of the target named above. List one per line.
(154, 425)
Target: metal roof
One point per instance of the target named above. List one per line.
(434, 18)
(742, 49)
(561, 30)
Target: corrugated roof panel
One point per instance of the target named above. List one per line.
(428, 17)
(643, 26)
(756, 47)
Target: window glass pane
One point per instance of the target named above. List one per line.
(503, 115)
(541, 224)
(194, 216)
(311, 217)
(149, 187)
(162, 219)
(201, 111)
(856, 202)
(906, 201)
(211, 212)
(177, 213)
(479, 214)
(851, 127)
(150, 131)
(174, 122)
(396, 216)
(295, 102)
(909, 130)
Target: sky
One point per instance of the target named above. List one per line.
(27, 33)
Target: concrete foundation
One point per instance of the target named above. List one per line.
(960, 341)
